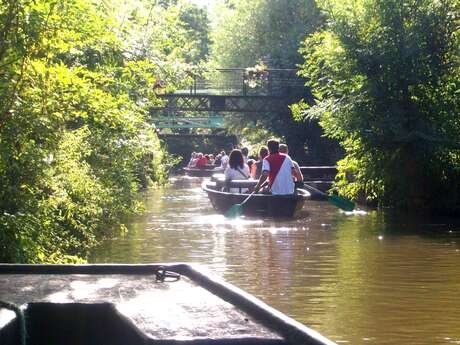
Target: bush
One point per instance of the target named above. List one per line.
(75, 147)
(385, 77)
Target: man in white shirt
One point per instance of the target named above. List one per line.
(278, 168)
(297, 172)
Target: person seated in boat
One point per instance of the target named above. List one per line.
(192, 161)
(217, 160)
(236, 170)
(211, 159)
(201, 162)
(250, 164)
(298, 176)
(245, 153)
(223, 160)
(278, 169)
(257, 167)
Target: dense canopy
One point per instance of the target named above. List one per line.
(78, 79)
(76, 82)
(385, 76)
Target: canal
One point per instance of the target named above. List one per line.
(361, 278)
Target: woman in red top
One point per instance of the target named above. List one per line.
(202, 161)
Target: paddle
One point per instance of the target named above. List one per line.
(336, 200)
(237, 209)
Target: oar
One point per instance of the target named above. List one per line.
(237, 209)
(336, 200)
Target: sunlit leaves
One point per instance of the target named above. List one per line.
(384, 74)
(74, 143)
(268, 33)
(250, 31)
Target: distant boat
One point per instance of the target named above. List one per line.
(148, 304)
(325, 173)
(319, 177)
(266, 205)
(206, 171)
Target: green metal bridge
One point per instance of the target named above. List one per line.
(176, 122)
(230, 90)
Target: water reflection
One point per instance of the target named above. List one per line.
(358, 278)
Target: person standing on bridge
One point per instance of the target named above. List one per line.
(278, 169)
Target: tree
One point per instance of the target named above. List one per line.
(75, 145)
(270, 32)
(197, 25)
(385, 76)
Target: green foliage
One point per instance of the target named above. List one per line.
(247, 32)
(75, 88)
(385, 75)
(167, 32)
(269, 33)
(197, 25)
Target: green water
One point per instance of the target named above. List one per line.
(361, 278)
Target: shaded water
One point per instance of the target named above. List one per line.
(362, 278)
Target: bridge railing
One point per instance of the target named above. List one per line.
(244, 82)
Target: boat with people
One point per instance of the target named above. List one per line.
(205, 165)
(143, 304)
(206, 171)
(225, 194)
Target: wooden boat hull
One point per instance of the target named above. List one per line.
(265, 205)
(206, 172)
(150, 304)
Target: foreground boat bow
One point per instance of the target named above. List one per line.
(138, 304)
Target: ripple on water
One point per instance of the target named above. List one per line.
(358, 277)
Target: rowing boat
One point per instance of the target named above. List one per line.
(266, 205)
(146, 304)
(207, 171)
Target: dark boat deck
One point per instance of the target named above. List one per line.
(162, 310)
(127, 304)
